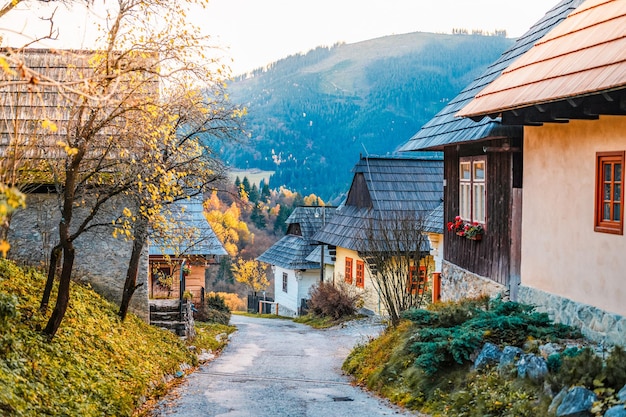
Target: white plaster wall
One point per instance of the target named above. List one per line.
(561, 252)
(297, 287)
(436, 243)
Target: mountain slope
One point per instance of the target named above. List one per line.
(310, 116)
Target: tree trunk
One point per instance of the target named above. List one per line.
(52, 269)
(67, 244)
(63, 296)
(130, 285)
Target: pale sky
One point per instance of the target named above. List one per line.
(254, 33)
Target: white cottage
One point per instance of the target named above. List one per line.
(294, 274)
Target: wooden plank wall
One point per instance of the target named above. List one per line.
(489, 257)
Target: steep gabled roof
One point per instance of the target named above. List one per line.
(433, 223)
(292, 250)
(446, 128)
(410, 182)
(317, 252)
(391, 185)
(584, 55)
(192, 234)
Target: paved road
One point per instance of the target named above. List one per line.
(277, 368)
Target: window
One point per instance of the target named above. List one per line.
(349, 270)
(609, 211)
(417, 282)
(472, 189)
(285, 280)
(360, 274)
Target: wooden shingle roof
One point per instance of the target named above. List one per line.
(584, 55)
(192, 234)
(446, 128)
(383, 188)
(433, 223)
(292, 250)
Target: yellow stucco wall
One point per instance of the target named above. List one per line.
(561, 252)
(370, 295)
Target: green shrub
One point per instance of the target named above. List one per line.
(216, 302)
(214, 310)
(615, 369)
(450, 333)
(488, 394)
(581, 369)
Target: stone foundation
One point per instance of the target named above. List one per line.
(458, 283)
(286, 312)
(100, 259)
(595, 324)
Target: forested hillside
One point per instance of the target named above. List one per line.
(310, 116)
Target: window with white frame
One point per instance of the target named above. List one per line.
(285, 279)
(472, 189)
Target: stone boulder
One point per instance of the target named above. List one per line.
(621, 395)
(616, 411)
(577, 403)
(531, 366)
(509, 356)
(489, 354)
(557, 400)
(549, 349)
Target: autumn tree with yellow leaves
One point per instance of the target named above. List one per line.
(227, 224)
(252, 273)
(121, 123)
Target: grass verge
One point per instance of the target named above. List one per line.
(95, 365)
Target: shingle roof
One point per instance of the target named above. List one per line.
(585, 54)
(192, 234)
(291, 251)
(403, 184)
(446, 128)
(343, 230)
(433, 223)
(395, 184)
(310, 218)
(315, 255)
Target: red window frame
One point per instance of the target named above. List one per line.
(609, 204)
(360, 274)
(417, 282)
(348, 270)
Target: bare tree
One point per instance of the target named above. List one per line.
(396, 254)
(111, 129)
(187, 168)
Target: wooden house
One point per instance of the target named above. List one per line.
(569, 93)
(294, 270)
(191, 241)
(37, 106)
(483, 178)
(382, 188)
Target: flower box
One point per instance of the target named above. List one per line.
(471, 231)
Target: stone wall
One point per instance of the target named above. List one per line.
(595, 324)
(100, 260)
(458, 283)
(286, 312)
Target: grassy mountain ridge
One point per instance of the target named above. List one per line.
(311, 115)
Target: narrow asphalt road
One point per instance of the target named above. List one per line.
(277, 368)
